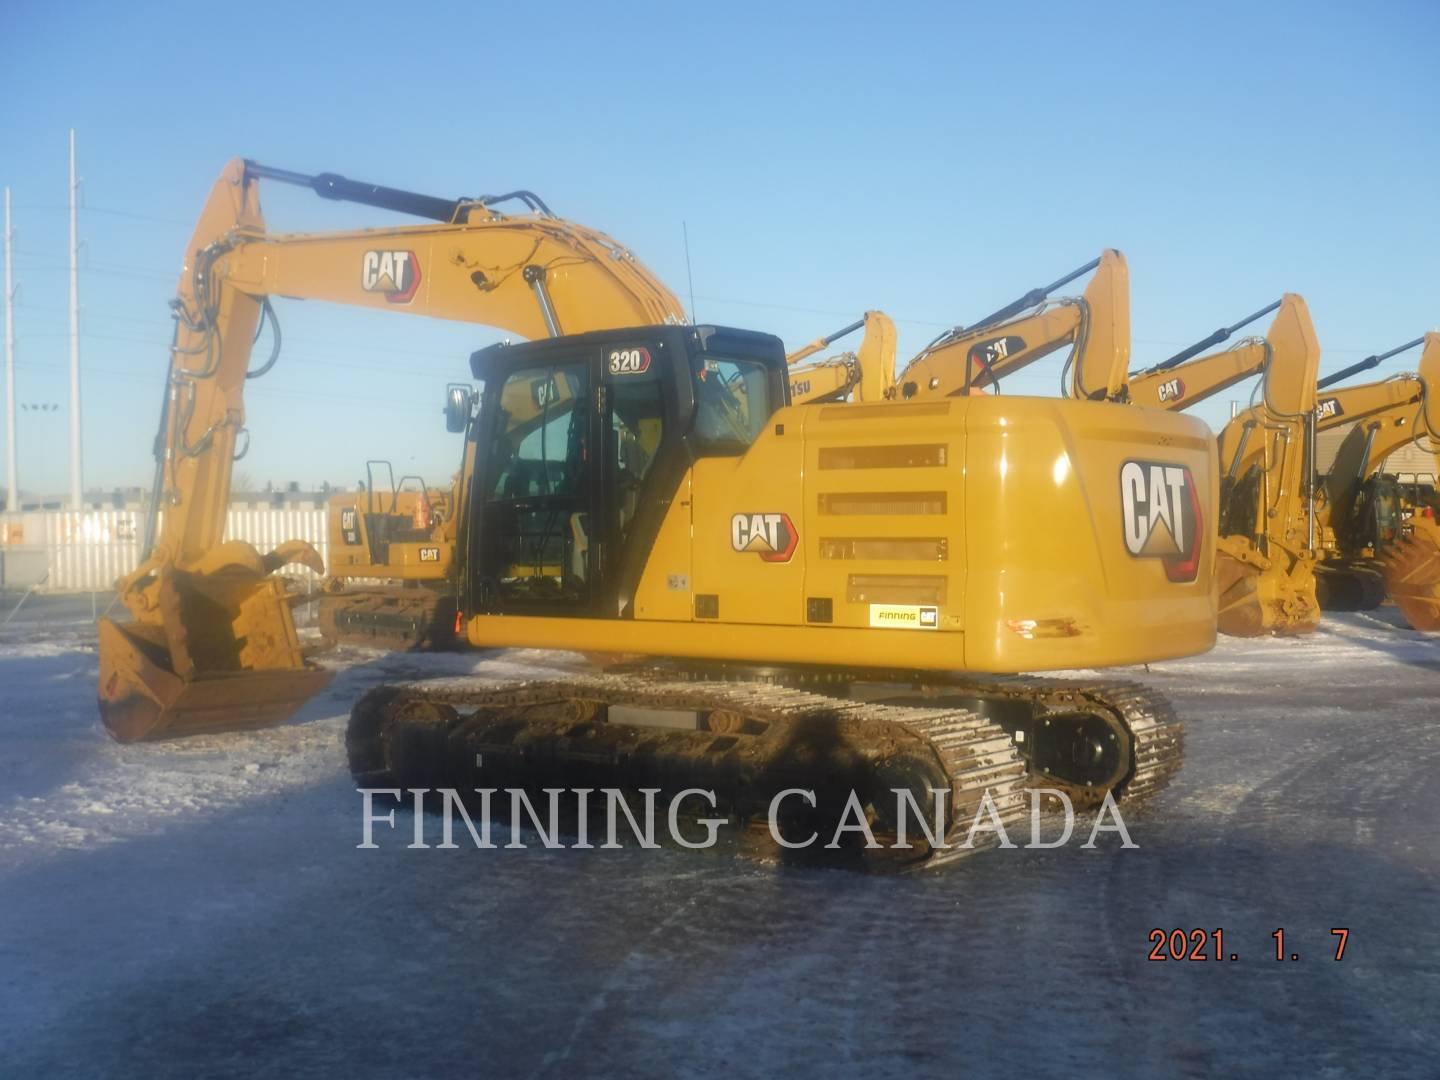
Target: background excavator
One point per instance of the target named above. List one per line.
(391, 544)
(1370, 531)
(651, 490)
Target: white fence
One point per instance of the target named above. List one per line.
(80, 551)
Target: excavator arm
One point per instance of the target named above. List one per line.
(1096, 325)
(212, 643)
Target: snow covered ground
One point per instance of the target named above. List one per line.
(200, 908)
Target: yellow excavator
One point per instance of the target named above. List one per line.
(835, 597)
(1364, 520)
(391, 546)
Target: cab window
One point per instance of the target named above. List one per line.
(732, 402)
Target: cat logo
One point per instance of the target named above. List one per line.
(984, 354)
(349, 526)
(1162, 515)
(429, 554)
(1172, 389)
(772, 536)
(394, 273)
(1327, 408)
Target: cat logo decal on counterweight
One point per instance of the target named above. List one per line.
(394, 273)
(772, 536)
(1162, 516)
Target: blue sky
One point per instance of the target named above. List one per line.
(933, 161)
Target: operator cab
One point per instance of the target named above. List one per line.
(581, 443)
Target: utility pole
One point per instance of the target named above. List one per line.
(12, 482)
(76, 492)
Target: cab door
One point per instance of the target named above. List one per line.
(538, 541)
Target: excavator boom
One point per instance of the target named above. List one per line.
(1267, 515)
(212, 643)
(1095, 324)
(1187, 378)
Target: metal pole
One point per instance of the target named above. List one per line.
(12, 482)
(76, 492)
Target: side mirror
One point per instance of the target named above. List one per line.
(458, 402)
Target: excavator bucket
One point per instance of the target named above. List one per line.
(1256, 600)
(1412, 575)
(224, 656)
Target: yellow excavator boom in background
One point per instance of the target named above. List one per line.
(1268, 542)
(1095, 324)
(866, 375)
(1188, 378)
(212, 643)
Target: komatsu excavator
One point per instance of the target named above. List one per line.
(833, 597)
(1362, 516)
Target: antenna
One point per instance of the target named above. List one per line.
(688, 275)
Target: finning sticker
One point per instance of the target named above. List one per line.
(1162, 515)
(905, 616)
(396, 274)
(772, 536)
